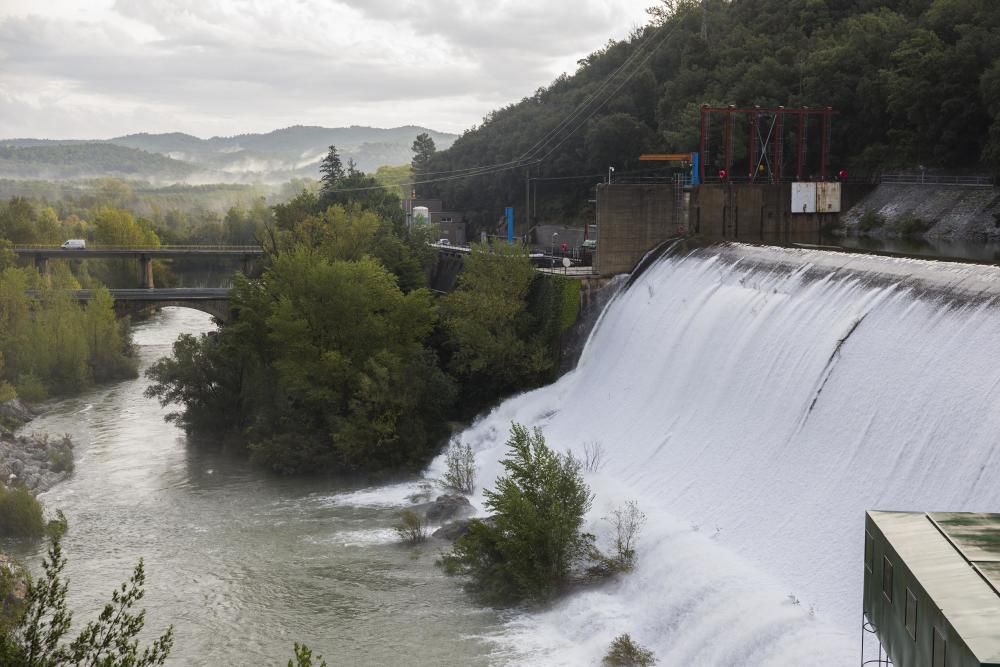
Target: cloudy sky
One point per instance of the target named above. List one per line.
(102, 68)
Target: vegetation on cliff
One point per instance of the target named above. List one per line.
(914, 82)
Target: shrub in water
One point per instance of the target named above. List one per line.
(461, 464)
(626, 653)
(527, 550)
(411, 527)
(627, 521)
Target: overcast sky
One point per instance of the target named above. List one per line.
(102, 68)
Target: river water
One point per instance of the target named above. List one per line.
(243, 564)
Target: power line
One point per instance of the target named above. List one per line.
(539, 145)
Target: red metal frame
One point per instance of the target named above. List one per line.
(775, 144)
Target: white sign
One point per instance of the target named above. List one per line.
(803, 197)
(567, 263)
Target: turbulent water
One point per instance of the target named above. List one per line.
(755, 411)
(753, 408)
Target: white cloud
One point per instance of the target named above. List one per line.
(229, 66)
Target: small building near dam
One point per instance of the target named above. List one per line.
(932, 588)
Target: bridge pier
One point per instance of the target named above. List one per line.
(146, 272)
(42, 265)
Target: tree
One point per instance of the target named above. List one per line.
(110, 641)
(331, 170)
(492, 337)
(325, 369)
(423, 151)
(526, 551)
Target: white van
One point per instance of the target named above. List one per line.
(75, 244)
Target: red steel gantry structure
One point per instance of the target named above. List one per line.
(766, 147)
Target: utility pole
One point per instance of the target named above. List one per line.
(527, 199)
(704, 20)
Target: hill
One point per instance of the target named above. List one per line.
(914, 82)
(53, 161)
(277, 156)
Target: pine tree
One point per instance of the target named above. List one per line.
(423, 150)
(332, 170)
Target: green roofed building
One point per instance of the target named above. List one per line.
(932, 588)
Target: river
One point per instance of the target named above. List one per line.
(242, 563)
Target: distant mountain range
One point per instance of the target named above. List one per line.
(273, 157)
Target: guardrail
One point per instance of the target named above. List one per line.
(166, 248)
(935, 179)
(171, 248)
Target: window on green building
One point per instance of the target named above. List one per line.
(940, 650)
(910, 619)
(887, 578)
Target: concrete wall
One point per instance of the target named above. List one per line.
(631, 220)
(760, 212)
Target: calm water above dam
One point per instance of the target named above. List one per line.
(242, 563)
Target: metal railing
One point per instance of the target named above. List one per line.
(168, 248)
(935, 179)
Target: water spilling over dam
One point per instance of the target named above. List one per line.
(755, 402)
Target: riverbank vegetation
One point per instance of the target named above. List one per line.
(340, 358)
(51, 345)
(915, 82)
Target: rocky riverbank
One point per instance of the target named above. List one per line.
(37, 461)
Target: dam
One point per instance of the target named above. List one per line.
(756, 402)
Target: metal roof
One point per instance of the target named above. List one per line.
(956, 559)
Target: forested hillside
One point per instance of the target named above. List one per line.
(87, 160)
(915, 82)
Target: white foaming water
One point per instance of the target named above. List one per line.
(755, 412)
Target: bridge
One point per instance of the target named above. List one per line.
(211, 300)
(145, 256)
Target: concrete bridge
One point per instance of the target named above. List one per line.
(144, 256)
(212, 300)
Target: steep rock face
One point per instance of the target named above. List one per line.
(954, 212)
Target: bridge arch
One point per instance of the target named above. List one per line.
(220, 309)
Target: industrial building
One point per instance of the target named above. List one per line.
(932, 589)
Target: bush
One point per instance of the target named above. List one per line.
(461, 464)
(57, 527)
(871, 219)
(628, 521)
(31, 389)
(527, 550)
(411, 527)
(626, 653)
(20, 513)
(911, 225)
(61, 455)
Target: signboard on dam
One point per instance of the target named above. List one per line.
(815, 198)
